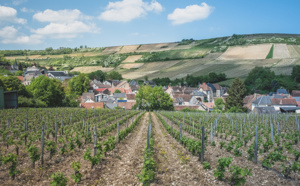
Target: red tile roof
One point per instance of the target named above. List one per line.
(100, 89)
(127, 91)
(127, 105)
(296, 93)
(20, 78)
(279, 101)
(92, 105)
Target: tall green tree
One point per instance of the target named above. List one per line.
(47, 90)
(79, 84)
(98, 75)
(296, 73)
(259, 78)
(237, 92)
(219, 105)
(114, 75)
(11, 83)
(153, 99)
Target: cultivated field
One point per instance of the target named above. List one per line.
(132, 59)
(128, 49)
(281, 51)
(133, 65)
(110, 50)
(89, 69)
(75, 146)
(156, 47)
(294, 51)
(246, 52)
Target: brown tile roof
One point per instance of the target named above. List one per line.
(130, 96)
(279, 101)
(185, 97)
(127, 105)
(92, 105)
(204, 86)
(296, 93)
(217, 86)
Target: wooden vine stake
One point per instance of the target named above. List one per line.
(95, 141)
(256, 145)
(42, 145)
(202, 145)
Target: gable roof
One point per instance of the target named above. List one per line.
(213, 88)
(58, 73)
(217, 86)
(185, 97)
(296, 93)
(88, 96)
(126, 105)
(288, 101)
(130, 96)
(264, 100)
(133, 82)
(282, 91)
(205, 87)
(100, 89)
(121, 83)
(119, 95)
(111, 105)
(198, 93)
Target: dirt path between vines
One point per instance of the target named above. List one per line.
(122, 166)
(260, 175)
(177, 166)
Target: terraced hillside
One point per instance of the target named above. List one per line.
(235, 56)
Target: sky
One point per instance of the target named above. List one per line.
(39, 24)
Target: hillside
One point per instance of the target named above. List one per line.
(234, 55)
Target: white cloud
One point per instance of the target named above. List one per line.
(18, 2)
(8, 14)
(10, 35)
(64, 23)
(190, 13)
(66, 30)
(27, 10)
(61, 16)
(127, 10)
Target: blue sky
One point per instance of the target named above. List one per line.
(37, 24)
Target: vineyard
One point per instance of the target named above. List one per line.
(67, 146)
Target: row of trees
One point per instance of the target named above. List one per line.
(191, 80)
(102, 76)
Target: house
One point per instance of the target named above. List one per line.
(60, 75)
(264, 110)
(88, 98)
(296, 93)
(120, 97)
(183, 99)
(92, 105)
(95, 84)
(134, 86)
(101, 91)
(123, 84)
(126, 105)
(130, 97)
(279, 103)
(110, 105)
(122, 90)
(263, 101)
(112, 83)
(206, 90)
(150, 83)
(8, 99)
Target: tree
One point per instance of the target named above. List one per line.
(11, 83)
(236, 92)
(219, 105)
(19, 73)
(114, 75)
(117, 91)
(47, 90)
(98, 75)
(296, 73)
(79, 84)
(265, 75)
(153, 99)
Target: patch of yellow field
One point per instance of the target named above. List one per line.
(112, 49)
(246, 52)
(132, 59)
(280, 51)
(128, 49)
(89, 69)
(157, 47)
(133, 65)
(294, 50)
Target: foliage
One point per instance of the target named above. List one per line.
(270, 54)
(13, 159)
(98, 75)
(153, 99)
(94, 160)
(59, 179)
(117, 91)
(236, 92)
(259, 78)
(296, 73)
(219, 105)
(11, 83)
(19, 73)
(34, 154)
(222, 164)
(239, 175)
(79, 84)
(30, 102)
(47, 90)
(51, 147)
(77, 175)
(114, 75)
(206, 165)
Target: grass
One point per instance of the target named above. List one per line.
(270, 54)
